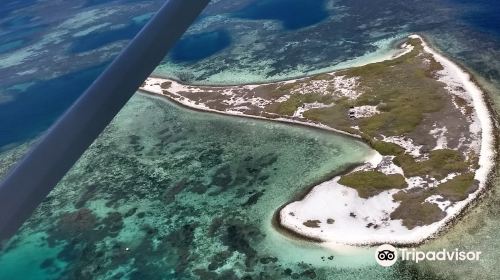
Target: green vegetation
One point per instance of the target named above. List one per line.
(403, 89)
(296, 100)
(413, 209)
(415, 213)
(440, 163)
(312, 223)
(386, 148)
(404, 103)
(370, 183)
(409, 100)
(458, 188)
(334, 116)
(287, 87)
(318, 77)
(272, 91)
(395, 122)
(463, 104)
(165, 85)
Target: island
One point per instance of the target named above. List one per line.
(429, 124)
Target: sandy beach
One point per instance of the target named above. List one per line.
(353, 231)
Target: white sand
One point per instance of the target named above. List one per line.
(332, 200)
(152, 85)
(487, 152)
(359, 221)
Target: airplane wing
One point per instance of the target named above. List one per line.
(29, 182)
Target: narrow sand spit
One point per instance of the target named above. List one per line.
(346, 212)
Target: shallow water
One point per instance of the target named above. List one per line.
(161, 183)
(184, 191)
(138, 172)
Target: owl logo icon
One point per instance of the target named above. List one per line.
(386, 255)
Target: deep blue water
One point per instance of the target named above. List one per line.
(20, 32)
(21, 37)
(194, 47)
(10, 45)
(35, 108)
(469, 30)
(486, 17)
(99, 39)
(293, 14)
(17, 21)
(21, 25)
(28, 106)
(8, 6)
(89, 3)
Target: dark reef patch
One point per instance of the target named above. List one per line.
(170, 200)
(253, 199)
(100, 39)
(195, 47)
(238, 237)
(293, 14)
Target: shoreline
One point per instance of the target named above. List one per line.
(484, 174)
(487, 156)
(389, 52)
(280, 120)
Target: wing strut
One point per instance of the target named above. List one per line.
(29, 182)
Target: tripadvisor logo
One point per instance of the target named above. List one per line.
(387, 255)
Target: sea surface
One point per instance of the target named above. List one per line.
(170, 193)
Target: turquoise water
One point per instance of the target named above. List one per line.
(187, 193)
(155, 151)
(169, 193)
